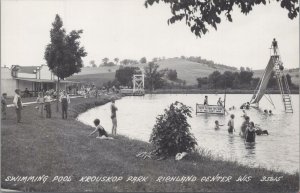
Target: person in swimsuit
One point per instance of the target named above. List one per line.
(102, 134)
(250, 133)
(114, 117)
(231, 124)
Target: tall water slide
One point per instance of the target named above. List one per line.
(264, 80)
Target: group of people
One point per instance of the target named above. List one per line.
(43, 101)
(44, 104)
(248, 129)
(219, 102)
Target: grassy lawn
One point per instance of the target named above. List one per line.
(56, 147)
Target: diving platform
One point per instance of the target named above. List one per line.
(132, 92)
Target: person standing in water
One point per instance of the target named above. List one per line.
(113, 109)
(231, 124)
(205, 100)
(220, 102)
(250, 133)
(245, 124)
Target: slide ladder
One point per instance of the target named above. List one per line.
(283, 85)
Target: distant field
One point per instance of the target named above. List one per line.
(189, 71)
(97, 79)
(186, 70)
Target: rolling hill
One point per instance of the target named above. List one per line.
(186, 70)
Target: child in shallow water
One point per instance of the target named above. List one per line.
(101, 131)
(217, 125)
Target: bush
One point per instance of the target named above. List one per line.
(171, 133)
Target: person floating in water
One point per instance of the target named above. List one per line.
(250, 133)
(259, 131)
(231, 124)
(244, 113)
(205, 100)
(220, 102)
(102, 134)
(244, 126)
(217, 125)
(270, 112)
(266, 111)
(245, 106)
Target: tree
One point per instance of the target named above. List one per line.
(153, 78)
(155, 59)
(116, 60)
(93, 64)
(199, 14)
(105, 60)
(171, 133)
(202, 81)
(214, 78)
(64, 54)
(246, 77)
(143, 60)
(124, 75)
(172, 74)
(289, 80)
(242, 68)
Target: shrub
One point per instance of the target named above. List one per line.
(171, 133)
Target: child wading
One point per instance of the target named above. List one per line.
(250, 133)
(114, 117)
(217, 125)
(231, 124)
(65, 100)
(101, 131)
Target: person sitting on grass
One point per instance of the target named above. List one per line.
(102, 134)
(217, 125)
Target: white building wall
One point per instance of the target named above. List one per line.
(45, 73)
(22, 85)
(26, 75)
(8, 84)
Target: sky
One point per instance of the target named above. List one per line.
(126, 29)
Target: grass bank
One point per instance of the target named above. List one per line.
(56, 147)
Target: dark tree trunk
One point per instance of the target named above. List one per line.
(57, 94)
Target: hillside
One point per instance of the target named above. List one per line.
(186, 70)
